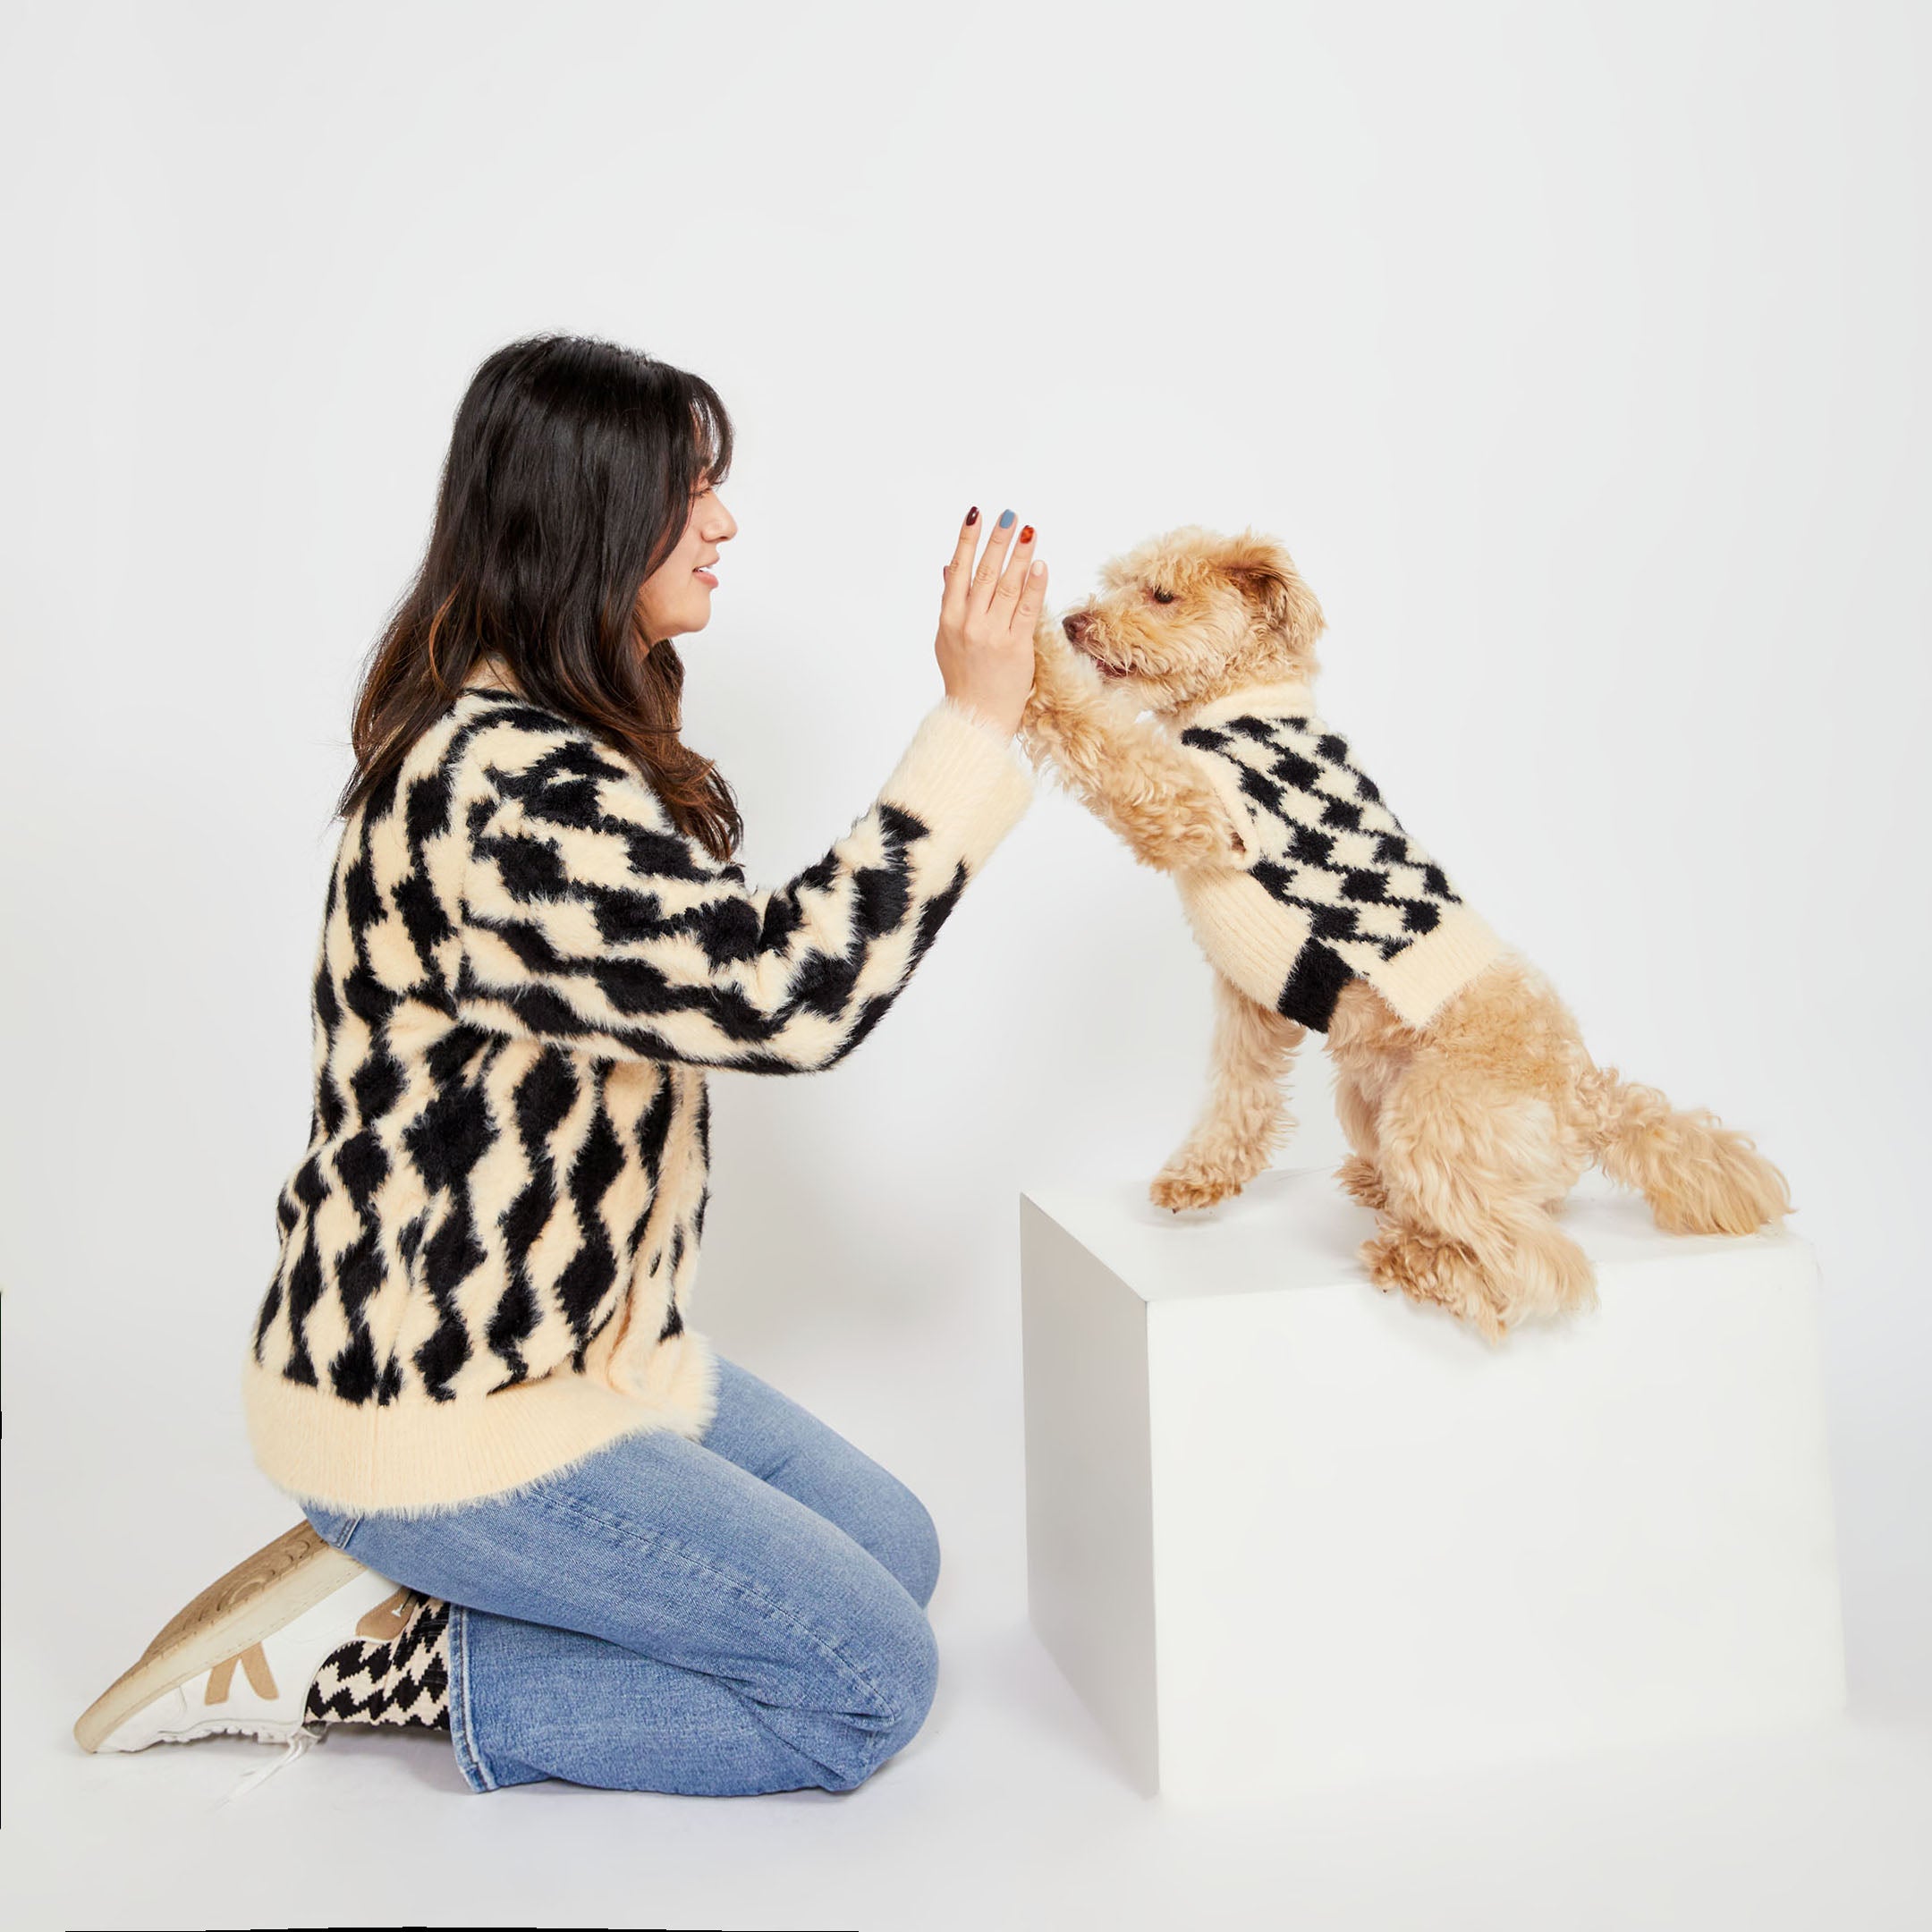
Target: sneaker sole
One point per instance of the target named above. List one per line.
(255, 1599)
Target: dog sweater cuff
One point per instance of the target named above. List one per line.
(962, 779)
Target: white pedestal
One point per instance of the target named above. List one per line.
(1285, 1531)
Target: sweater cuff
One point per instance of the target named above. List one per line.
(959, 777)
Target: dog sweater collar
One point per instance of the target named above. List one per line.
(1287, 698)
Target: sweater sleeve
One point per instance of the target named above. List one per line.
(587, 918)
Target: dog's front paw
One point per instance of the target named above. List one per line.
(1065, 681)
(1190, 1186)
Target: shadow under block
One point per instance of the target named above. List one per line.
(1285, 1531)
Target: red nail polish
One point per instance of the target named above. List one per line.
(1025, 536)
(973, 515)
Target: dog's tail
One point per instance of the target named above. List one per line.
(1699, 1176)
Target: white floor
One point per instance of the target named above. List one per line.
(1005, 1811)
(1009, 1810)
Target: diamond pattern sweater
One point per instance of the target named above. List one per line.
(524, 976)
(1329, 887)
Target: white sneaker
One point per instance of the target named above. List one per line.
(241, 1657)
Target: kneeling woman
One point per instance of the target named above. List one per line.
(540, 1510)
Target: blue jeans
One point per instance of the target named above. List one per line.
(743, 1614)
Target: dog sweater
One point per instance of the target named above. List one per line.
(524, 974)
(1329, 886)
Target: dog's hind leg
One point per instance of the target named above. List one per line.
(1520, 1264)
(1359, 1174)
(1430, 1268)
(1469, 1168)
(1245, 1118)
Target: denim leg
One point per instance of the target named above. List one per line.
(658, 1618)
(766, 1432)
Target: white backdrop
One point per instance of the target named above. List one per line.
(1577, 354)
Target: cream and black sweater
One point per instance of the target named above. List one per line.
(1329, 888)
(524, 974)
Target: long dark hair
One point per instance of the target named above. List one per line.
(568, 481)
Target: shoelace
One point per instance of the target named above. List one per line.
(300, 1740)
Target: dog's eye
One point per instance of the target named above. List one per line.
(1159, 596)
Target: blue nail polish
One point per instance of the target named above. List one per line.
(1006, 519)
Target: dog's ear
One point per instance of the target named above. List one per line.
(1265, 575)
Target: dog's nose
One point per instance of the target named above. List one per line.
(1074, 624)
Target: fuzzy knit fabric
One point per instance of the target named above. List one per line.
(525, 974)
(1330, 887)
(400, 1680)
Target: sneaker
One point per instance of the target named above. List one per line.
(241, 1658)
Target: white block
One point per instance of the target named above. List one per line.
(1285, 1531)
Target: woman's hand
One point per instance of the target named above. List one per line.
(986, 616)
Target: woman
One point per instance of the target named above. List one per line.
(540, 1510)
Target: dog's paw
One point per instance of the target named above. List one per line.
(1431, 1270)
(1359, 1177)
(1180, 1187)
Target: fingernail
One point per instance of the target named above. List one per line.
(973, 515)
(1005, 517)
(1038, 570)
(1025, 536)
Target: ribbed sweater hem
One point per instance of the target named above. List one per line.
(418, 1456)
(1253, 938)
(1421, 977)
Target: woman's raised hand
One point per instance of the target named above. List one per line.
(986, 621)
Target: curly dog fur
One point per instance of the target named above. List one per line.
(1466, 1133)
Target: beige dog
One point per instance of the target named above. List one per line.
(1463, 1082)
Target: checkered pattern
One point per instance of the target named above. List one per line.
(1324, 843)
(405, 1682)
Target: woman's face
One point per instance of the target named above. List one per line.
(677, 596)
